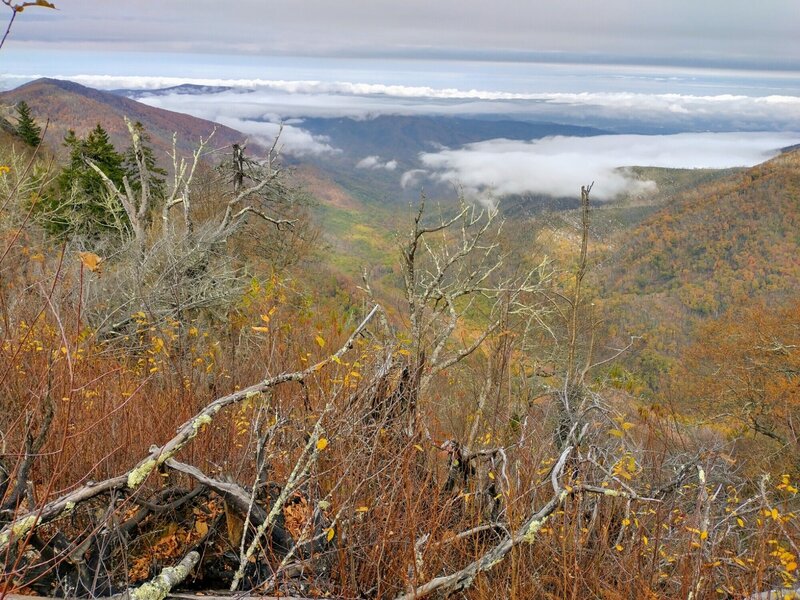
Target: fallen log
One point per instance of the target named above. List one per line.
(23, 526)
(158, 587)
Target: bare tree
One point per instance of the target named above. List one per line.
(455, 270)
(185, 266)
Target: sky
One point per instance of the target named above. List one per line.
(722, 32)
(693, 68)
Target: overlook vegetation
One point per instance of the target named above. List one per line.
(215, 378)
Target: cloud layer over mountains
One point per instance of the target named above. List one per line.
(262, 99)
(558, 166)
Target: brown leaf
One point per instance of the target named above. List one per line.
(91, 261)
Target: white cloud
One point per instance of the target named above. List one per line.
(369, 162)
(283, 99)
(558, 166)
(375, 162)
(293, 140)
(412, 178)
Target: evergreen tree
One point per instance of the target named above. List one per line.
(156, 175)
(82, 202)
(27, 128)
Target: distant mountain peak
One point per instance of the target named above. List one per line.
(70, 105)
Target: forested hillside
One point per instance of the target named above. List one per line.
(218, 373)
(66, 106)
(722, 245)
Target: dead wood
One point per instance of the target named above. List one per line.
(158, 587)
(23, 526)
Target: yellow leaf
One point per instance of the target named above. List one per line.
(419, 448)
(740, 521)
(265, 318)
(703, 535)
(626, 522)
(259, 329)
(362, 509)
(774, 514)
(645, 540)
(491, 475)
(792, 566)
(91, 261)
(320, 340)
(615, 432)
(201, 527)
(331, 533)
(322, 443)
(336, 359)
(626, 426)
(619, 547)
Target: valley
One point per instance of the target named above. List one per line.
(396, 341)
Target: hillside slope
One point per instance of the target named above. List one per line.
(724, 243)
(69, 105)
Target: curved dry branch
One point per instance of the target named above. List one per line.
(23, 527)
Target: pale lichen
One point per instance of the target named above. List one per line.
(23, 526)
(140, 473)
(533, 529)
(158, 588)
(200, 422)
(608, 492)
(17, 529)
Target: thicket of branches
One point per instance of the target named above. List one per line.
(253, 438)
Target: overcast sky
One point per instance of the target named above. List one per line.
(678, 31)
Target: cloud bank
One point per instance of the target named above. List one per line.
(275, 100)
(558, 166)
(313, 99)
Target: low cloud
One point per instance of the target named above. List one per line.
(412, 178)
(375, 162)
(558, 166)
(263, 99)
(293, 140)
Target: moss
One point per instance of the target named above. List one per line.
(140, 473)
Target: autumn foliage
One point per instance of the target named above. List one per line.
(690, 493)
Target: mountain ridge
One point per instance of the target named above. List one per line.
(66, 105)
